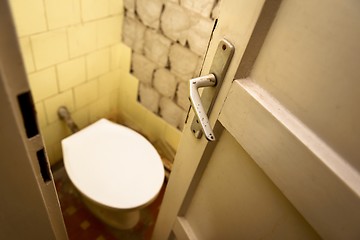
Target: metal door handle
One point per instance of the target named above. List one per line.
(196, 83)
(203, 107)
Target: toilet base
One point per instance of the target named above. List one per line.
(117, 218)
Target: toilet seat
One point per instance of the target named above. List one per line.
(113, 165)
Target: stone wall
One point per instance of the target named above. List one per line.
(168, 41)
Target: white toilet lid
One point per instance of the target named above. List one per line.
(113, 165)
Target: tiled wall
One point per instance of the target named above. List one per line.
(74, 56)
(168, 40)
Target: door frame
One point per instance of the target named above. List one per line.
(29, 203)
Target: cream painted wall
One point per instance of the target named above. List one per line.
(74, 56)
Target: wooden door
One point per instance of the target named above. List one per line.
(286, 163)
(29, 208)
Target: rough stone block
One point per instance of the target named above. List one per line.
(171, 112)
(183, 62)
(149, 12)
(165, 82)
(182, 95)
(199, 34)
(129, 5)
(149, 98)
(133, 34)
(203, 7)
(143, 68)
(175, 22)
(130, 14)
(156, 47)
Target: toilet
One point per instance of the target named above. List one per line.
(116, 170)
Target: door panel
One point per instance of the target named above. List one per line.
(302, 93)
(310, 63)
(256, 208)
(310, 174)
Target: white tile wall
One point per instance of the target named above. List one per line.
(74, 56)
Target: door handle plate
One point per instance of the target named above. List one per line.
(219, 66)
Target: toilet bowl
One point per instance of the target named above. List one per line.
(116, 169)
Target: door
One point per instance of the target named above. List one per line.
(285, 164)
(29, 208)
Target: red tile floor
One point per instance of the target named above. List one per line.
(81, 224)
